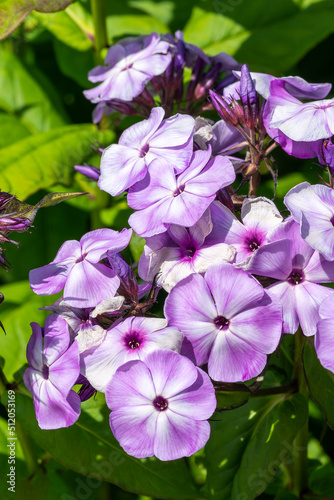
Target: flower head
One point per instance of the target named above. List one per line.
(229, 320)
(54, 369)
(130, 64)
(160, 406)
(77, 270)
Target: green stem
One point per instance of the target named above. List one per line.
(27, 448)
(100, 28)
(300, 479)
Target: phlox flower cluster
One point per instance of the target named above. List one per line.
(238, 275)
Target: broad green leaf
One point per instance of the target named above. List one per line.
(320, 382)
(163, 10)
(96, 453)
(322, 480)
(19, 308)
(119, 26)
(73, 63)
(13, 12)
(249, 443)
(11, 129)
(73, 26)
(270, 37)
(22, 95)
(42, 160)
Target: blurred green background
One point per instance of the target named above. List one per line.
(45, 129)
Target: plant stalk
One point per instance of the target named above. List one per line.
(100, 28)
(299, 467)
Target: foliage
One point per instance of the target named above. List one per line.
(45, 129)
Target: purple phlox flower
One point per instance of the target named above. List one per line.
(164, 198)
(77, 270)
(259, 216)
(306, 122)
(298, 269)
(324, 338)
(83, 325)
(130, 339)
(299, 128)
(130, 64)
(313, 208)
(125, 163)
(172, 256)
(54, 369)
(164, 412)
(293, 86)
(232, 327)
(88, 171)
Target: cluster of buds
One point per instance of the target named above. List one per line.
(243, 111)
(10, 220)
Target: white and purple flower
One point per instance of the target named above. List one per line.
(229, 319)
(54, 369)
(130, 64)
(164, 198)
(160, 407)
(133, 338)
(313, 208)
(125, 163)
(172, 256)
(298, 269)
(77, 270)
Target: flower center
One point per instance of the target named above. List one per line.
(144, 150)
(221, 323)
(253, 242)
(81, 258)
(45, 372)
(133, 340)
(189, 252)
(160, 403)
(179, 190)
(332, 220)
(296, 277)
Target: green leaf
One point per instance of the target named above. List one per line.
(13, 12)
(322, 480)
(22, 95)
(97, 453)
(47, 158)
(74, 26)
(11, 130)
(270, 37)
(320, 383)
(119, 26)
(163, 10)
(73, 63)
(249, 443)
(19, 308)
